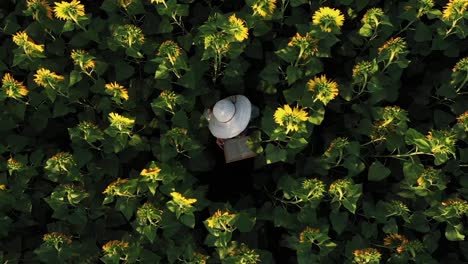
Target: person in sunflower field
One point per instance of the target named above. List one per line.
(230, 117)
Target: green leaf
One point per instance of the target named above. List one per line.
(123, 70)
(293, 74)
(295, 3)
(75, 77)
(275, 154)
(454, 232)
(377, 171)
(366, 30)
(422, 32)
(245, 222)
(188, 220)
(415, 138)
(339, 221)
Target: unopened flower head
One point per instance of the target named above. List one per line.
(125, 3)
(222, 221)
(117, 188)
(459, 206)
(244, 255)
(291, 118)
(14, 165)
(367, 256)
(61, 162)
(170, 50)
(462, 120)
(442, 141)
(391, 113)
(56, 240)
(309, 235)
(461, 66)
(328, 19)
(29, 47)
(238, 28)
(47, 79)
(158, 1)
(89, 131)
(314, 188)
(116, 90)
(397, 208)
(83, 60)
(13, 88)
(373, 17)
(70, 11)
(198, 258)
(424, 6)
(429, 177)
(128, 35)
(363, 70)
(339, 188)
(179, 138)
(115, 247)
(148, 214)
(169, 99)
(336, 148)
(323, 89)
(264, 8)
(218, 42)
(307, 45)
(394, 46)
(38, 9)
(396, 241)
(454, 10)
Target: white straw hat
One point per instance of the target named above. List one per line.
(230, 116)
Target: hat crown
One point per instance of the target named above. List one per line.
(224, 110)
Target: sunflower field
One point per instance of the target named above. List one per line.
(361, 141)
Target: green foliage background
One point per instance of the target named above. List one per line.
(382, 166)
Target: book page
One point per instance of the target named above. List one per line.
(236, 149)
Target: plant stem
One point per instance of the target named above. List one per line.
(400, 155)
(406, 27)
(462, 84)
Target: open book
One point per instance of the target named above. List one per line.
(236, 149)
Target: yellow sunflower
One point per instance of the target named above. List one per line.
(367, 255)
(323, 89)
(454, 10)
(29, 47)
(182, 201)
(396, 240)
(264, 8)
(84, 60)
(38, 8)
(328, 18)
(121, 122)
(117, 90)
(307, 45)
(290, 118)
(238, 28)
(47, 78)
(114, 246)
(13, 88)
(71, 11)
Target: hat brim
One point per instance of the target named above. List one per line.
(237, 124)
